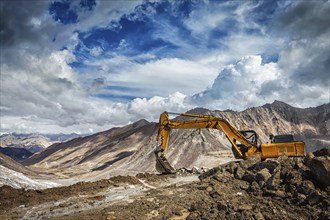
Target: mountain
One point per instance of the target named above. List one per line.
(311, 125)
(99, 152)
(18, 154)
(33, 142)
(11, 164)
(129, 149)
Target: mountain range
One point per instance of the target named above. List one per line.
(22, 146)
(129, 149)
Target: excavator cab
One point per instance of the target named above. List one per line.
(252, 137)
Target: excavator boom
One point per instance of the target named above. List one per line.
(241, 145)
(200, 121)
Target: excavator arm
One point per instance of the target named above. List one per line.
(198, 121)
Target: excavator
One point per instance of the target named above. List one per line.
(244, 143)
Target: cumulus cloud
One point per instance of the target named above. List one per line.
(301, 76)
(238, 85)
(42, 91)
(151, 108)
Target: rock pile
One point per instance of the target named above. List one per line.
(299, 182)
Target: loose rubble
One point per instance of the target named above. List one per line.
(296, 182)
(282, 188)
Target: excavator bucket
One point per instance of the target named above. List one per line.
(162, 165)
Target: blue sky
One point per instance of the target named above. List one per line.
(88, 65)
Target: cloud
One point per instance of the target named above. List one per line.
(97, 84)
(209, 54)
(151, 108)
(238, 85)
(250, 82)
(303, 19)
(300, 76)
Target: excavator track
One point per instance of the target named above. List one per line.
(162, 165)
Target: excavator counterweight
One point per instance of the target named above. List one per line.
(244, 143)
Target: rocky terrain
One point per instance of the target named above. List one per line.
(282, 188)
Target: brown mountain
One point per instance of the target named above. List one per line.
(129, 149)
(11, 164)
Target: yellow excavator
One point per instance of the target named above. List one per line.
(244, 143)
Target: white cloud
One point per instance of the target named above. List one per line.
(156, 77)
(238, 85)
(103, 12)
(151, 108)
(41, 92)
(249, 82)
(204, 19)
(96, 51)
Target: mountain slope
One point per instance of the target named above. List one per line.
(129, 149)
(13, 165)
(21, 146)
(96, 152)
(26, 141)
(18, 154)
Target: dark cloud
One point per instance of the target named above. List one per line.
(303, 19)
(306, 57)
(21, 22)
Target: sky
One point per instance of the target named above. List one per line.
(89, 65)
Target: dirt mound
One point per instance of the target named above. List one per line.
(124, 179)
(11, 197)
(149, 177)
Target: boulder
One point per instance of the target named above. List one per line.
(322, 152)
(274, 181)
(271, 165)
(255, 189)
(320, 169)
(231, 167)
(308, 158)
(252, 160)
(249, 177)
(293, 177)
(263, 175)
(239, 172)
